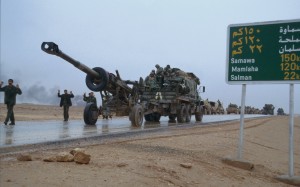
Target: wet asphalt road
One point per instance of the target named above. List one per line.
(31, 132)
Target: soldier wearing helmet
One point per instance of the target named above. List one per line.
(159, 70)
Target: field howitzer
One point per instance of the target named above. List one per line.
(115, 92)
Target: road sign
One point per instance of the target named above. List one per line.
(267, 52)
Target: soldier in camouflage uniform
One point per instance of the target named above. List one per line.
(106, 109)
(151, 80)
(65, 101)
(10, 92)
(167, 70)
(150, 77)
(159, 75)
(159, 70)
(90, 99)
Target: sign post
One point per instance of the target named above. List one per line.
(265, 53)
(291, 132)
(241, 142)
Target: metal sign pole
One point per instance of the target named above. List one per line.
(291, 132)
(241, 142)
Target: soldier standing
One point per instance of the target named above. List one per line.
(105, 108)
(90, 99)
(65, 101)
(10, 92)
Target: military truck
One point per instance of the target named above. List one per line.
(214, 107)
(280, 111)
(217, 107)
(232, 109)
(251, 110)
(268, 109)
(207, 107)
(168, 92)
(171, 92)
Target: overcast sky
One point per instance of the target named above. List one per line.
(132, 36)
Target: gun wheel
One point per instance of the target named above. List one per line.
(136, 116)
(90, 114)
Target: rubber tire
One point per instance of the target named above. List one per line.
(199, 114)
(136, 116)
(205, 111)
(156, 116)
(172, 118)
(89, 80)
(90, 114)
(188, 114)
(181, 114)
(149, 117)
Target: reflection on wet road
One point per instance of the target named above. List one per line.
(29, 132)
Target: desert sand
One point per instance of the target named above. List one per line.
(179, 156)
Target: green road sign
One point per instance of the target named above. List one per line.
(267, 52)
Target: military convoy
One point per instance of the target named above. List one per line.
(167, 92)
(268, 109)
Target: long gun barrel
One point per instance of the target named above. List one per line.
(97, 79)
(52, 48)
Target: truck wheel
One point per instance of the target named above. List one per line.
(136, 116)
(156, 116)
(206, 111)
(188, 113)
(199, 114)
(172, 118)
(148, 117)
(90, 114)
(97, 85)
(181, 114)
